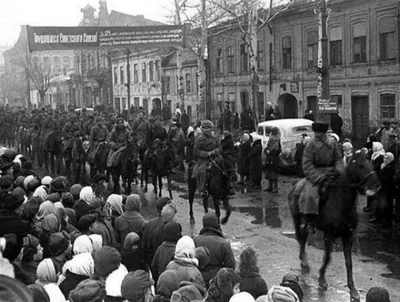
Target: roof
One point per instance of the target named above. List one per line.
(120, 19)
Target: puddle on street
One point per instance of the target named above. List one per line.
(263, 216)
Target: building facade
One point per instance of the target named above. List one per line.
(363, 54)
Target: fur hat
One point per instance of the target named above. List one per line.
(106, 260)
(88, 291)
(188, 291)
(168, 282)
(210, 220)
(161, 203)
(86, 221)
(206, 123)
(292, 281)
(320, 127)
(134, 285)
(377, 294)
(59, 243)
(225, 280)
(247, 258)
(58, 185)
(172, 232)
(6, 182)
(203, 255)
(11, 202)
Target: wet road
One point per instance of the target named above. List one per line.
(263, 220)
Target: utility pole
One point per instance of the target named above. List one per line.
(179, 76)
(201, 75)
(128, 79)
(324, 106)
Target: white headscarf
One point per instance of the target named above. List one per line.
(97, 242)
(114, 281)
(185, 250)
(83, 244)
(81, 264)
(115, 202)
(86, 194)
(41, 193)
(377, 149)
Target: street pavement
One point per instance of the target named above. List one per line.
(263, 220)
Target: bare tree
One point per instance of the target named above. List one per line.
(250, 16)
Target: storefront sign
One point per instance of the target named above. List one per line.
(327, 106)
(58, 38)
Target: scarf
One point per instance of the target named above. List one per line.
(81, 264)
(45, 209)
(387, 159)
(86, 195)
(115, 202)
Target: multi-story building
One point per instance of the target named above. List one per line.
(154, 81)
(364, 63)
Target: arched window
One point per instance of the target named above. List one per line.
(359, 42)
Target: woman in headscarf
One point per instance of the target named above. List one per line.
(114, 203)
(131, 254)
(49, 225)
(131, 220)
(45, 209)
(255, 172)
(185, 262)
(377, 156)
(223, 286)
(82, 244)
(82, 207)
(384, 211)
(79, 268)
(41, 192)
(97, 242)
(47, 277)
(272, 152)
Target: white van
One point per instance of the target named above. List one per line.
(290, 131)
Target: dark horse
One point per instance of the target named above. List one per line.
(52, 148)
(163, 159)
(221, 173)
(125, 167)
(337, 215)
(78, 160)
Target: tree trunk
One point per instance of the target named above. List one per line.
(201, 93)
(42, 98)
(252, 46)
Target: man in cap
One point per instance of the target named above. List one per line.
(321, 161)
(382, 134)
(119, 137)
(227, 115)
(140, 126)
(156, 131)
(205, 147)
(98, 146)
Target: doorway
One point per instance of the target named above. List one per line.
(360, 118)
(312, 103)
(287, 103)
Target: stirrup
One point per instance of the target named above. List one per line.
(204, 193)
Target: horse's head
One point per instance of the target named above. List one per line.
(361, 174)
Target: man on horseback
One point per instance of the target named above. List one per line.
(321, 163)
(119, 138)
(205, 148)
(179, 140)
(156, 136)
(97, 142)
(140, 126)
(70, 131)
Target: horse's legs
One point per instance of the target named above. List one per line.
(216, 206)
(115, 177)
(192, 189)
(154, 181)
(327, 258)
(160, 186)
(347, 246)
(227, 208)
(205, 204)
(301, 236)
(169, 186)
(52, 162)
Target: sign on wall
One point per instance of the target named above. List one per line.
(60, 38)
(327, 106)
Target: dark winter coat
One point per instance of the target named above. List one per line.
(152, 237)
(236, 122)
(244, 164)
(133, 261)
(298, 158)
(256, 162)
(272, 152)
(70, 282)
(81, 208)
(336, 124)
(165, 254)
(252, 282)
(129, 221)
(221, 254)
(189, 147)
(185, 121)
(105, 229)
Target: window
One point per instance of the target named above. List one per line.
(335, 46)
(230, 59)
(135, 73)
(46, 62)
(337, 99)
(287, 52)
(158, 71)
(312, 49)
(388, 106)
(57, 63)
(115, 76)
(260, 55)
(151, 71)
(359, 43)
(66, 62)
(123, 103)
(219, 60)
(136, 102)
(167, 84)
(244, 58)
(144, 79)
(188, 82)
(387, 39)
(121, 75)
